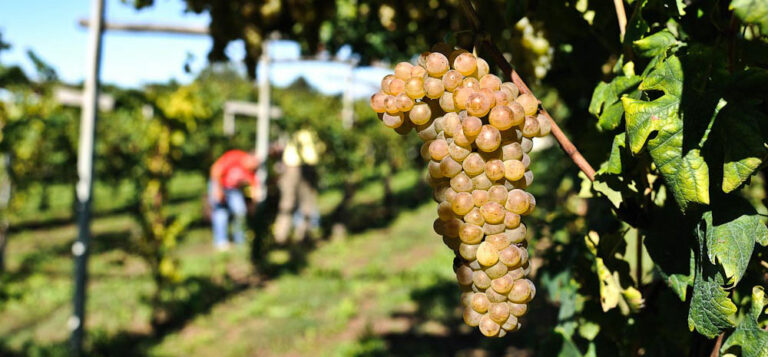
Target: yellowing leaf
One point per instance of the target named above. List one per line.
(686, 173)
(744, 147)
(643, 118)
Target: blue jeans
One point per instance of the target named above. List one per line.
(314, 218)
(234, 203)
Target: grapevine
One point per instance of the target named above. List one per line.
(477, 133)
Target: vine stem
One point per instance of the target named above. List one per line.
(498, 58)
(621, 15)
(716, 350)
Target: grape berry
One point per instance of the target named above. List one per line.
(477, 133)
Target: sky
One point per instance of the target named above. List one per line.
(50, 29)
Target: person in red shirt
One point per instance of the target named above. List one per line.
(232, 170)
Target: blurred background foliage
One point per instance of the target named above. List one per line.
(387, 289)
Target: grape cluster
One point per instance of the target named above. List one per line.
(477, 133)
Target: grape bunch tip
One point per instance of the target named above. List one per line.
(477, 133)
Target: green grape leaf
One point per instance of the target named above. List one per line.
(679, 284)
(562, 345)
(732, 228)
(563, 290)
(612, 293)
(752, 12)
(744, 147)
(752, 339)
(613, 165)
(686, 174)
(601, 188)
(644, 117)
(588, 330)
(610, 118)
(606, 104)
(655, 44)
(711, 310)
(680, 6)
(667, 76)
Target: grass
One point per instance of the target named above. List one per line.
(346, 288)
(313, 305)
(385, 289)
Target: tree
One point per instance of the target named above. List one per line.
(9, 76)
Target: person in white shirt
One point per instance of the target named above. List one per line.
(298, 186)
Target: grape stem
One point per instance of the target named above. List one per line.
(498, 58)
(716, 350)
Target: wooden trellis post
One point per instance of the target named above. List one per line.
(84, 189)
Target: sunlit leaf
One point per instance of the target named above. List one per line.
(752, 340)
(711, 310)
(744, 145)
(752, 12)
(606, 100)
(686, 173)
(612, 293)
(655, 44)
